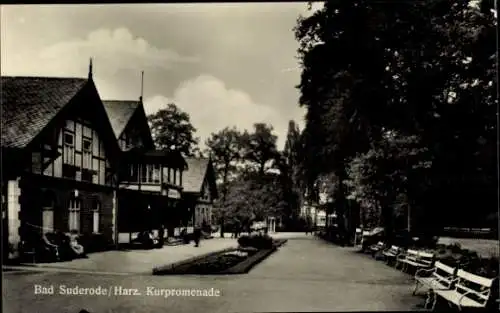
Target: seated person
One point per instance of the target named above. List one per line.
(75, 246)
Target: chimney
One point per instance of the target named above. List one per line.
(90, 69)
(142, 86)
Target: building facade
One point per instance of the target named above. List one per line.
(59, 159)
(74, 163)
(200, 190)
(150, 180)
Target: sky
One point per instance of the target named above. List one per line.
(224, 64)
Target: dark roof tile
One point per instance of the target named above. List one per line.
(28, 104)
(192, 179)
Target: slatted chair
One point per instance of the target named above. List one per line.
(416, 259)
(440, 277)
(391, 253)
(376, 248)
(470, 291)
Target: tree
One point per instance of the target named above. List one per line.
(172, 128)
(226, 149)
(380, 179)
(252, 197)
(429, 75)
(259, 147)
(288, 162)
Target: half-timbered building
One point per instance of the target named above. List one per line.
(60, 159)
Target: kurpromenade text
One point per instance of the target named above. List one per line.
(114, 290)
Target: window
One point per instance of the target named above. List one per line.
(156, 174)
(69, 139)
(134, 173)
(48, 202)
(144, 173)
(150, 173)
(87, 153)
(69, 148)
(149, 179)
(87, 145)
(174, 181)
(74, 215)
(96, 211)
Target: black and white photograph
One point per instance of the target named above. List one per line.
(322, 156)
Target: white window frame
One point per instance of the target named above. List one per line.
(74, 208)
(69, 149)
(96, 217)
(47, 219)
(87, 154)
(156, 172)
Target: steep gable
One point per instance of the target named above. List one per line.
(122, 113)
(34, 107)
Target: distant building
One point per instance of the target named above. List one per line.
(199, 190)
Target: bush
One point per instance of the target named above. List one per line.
(256, 241)
(468, 260)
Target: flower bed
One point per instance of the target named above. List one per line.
(230, 261)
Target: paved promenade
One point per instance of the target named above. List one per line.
(141, 261)
(306, 274)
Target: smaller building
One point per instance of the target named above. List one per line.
(199, 190)
(150, 190)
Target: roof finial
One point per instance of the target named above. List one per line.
(90, 69)
(142, 85)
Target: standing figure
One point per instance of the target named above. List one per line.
(197, 236)
(161, 235)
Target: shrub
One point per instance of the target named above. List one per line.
(256, 241)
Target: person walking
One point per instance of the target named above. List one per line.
(161, 236)
(197, 236)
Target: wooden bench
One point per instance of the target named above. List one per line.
(469, 291)
(440, 277)
(415, 258)
(391, 253)
(377, 247)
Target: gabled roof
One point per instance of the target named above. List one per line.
(28, 104)
(120, 112)
(193, 178)
(198, 170)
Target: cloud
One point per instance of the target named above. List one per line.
(212, 106)
(112, 49)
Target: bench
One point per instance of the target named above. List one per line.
(440, 277)
(391, 253)
(415, 258)
(469, 291)
(376, 247)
